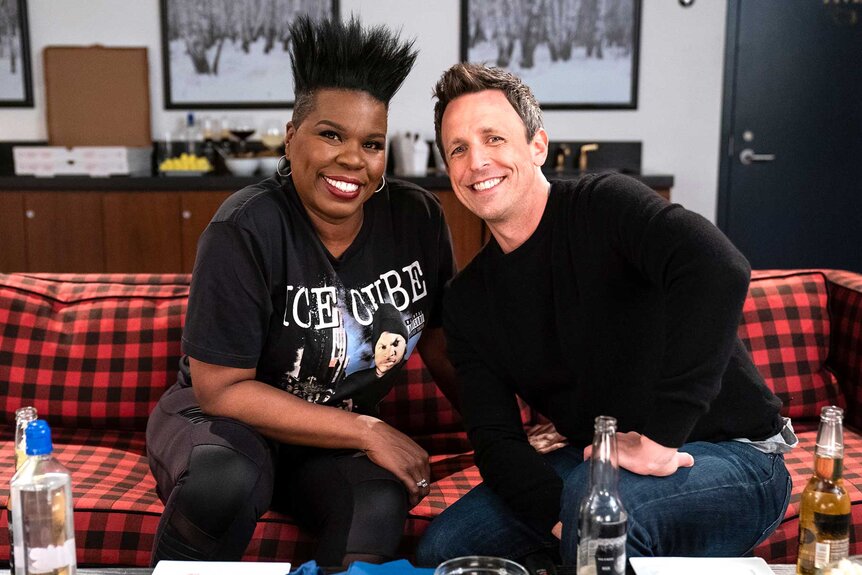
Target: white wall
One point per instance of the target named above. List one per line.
(679, 107)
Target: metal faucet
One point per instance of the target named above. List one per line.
(563, 152)
(582, 155)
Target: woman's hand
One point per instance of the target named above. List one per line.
(394, 451)
(640, 454)
(544, 438)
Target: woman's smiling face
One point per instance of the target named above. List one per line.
(337, 154)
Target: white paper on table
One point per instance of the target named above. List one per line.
(700, 566)
(220, 568)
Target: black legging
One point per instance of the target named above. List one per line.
(216, 477)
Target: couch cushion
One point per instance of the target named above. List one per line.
(89, 350)
(785, 325)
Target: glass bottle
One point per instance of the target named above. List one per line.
(42, 509)
(23, 416)
(824, 512)
(603, 520)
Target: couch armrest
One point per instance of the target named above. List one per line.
(845, 354)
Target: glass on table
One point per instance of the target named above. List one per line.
(480, 565)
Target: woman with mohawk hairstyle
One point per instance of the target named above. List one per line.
(289, 276)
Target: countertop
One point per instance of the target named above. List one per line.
(210, 183)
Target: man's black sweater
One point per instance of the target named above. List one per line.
(618, 304)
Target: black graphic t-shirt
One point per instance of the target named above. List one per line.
(266, 294)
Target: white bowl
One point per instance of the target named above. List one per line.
(268, 165)
(242, 166)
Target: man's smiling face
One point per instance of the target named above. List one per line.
(492, 165)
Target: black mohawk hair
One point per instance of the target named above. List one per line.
(333, 54)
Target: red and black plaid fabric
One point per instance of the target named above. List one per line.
(782, 545)
(67, 343)
(786, 327)
(845, 305)
(416, 406)
(89, 350)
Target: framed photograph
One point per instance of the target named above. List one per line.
(574, 54)
(231, 53)
(16, 84)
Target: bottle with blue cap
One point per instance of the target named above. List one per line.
(44, 531)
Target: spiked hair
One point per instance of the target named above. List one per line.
(468, 78)
(333, 54)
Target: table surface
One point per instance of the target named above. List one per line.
(777, 569)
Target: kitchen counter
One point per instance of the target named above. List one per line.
(211, 183)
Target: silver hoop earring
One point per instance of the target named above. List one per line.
(382, 184)
(283, 162)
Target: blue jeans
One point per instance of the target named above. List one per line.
(724, 506)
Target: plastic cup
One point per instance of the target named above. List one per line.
(480, 565)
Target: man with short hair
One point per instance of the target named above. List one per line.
(596, 297)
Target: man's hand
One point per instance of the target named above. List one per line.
(544, 438)
(640, 454)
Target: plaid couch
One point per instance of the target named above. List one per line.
(93, 353)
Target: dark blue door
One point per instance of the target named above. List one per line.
(790, 188)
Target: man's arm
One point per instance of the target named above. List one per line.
(510, 466)
(704, 280)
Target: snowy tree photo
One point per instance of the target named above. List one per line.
(570, 52)
(14, 70)
(232, 52)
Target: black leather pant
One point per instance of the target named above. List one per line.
(217, 477)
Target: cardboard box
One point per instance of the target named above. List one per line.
(94, 161)
(97, 96)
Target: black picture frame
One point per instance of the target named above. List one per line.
(575, 72)
(16, 81)
(230, 54)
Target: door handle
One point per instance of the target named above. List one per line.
(747, 156)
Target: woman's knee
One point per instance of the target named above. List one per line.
(220, 486)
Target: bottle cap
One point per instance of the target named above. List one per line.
(38, 436)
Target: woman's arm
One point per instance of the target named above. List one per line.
(235, 393)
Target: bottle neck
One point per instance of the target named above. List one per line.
(603, 464)
(829, 448)
(828, 468)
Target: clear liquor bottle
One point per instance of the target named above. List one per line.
(42, 509)
(23, 416)
(824, 512)
(603, 519)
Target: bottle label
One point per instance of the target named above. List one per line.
(828, 550)
(605, 556)
(832, 526)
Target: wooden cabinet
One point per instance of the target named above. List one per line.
(468, 230)
(13, 245)
(51, 231)
(64, 232)
(103, 231)
(142, 232)
(154, 228)
(197, 211)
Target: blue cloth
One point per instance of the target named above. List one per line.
(726, 504)
(400, 567)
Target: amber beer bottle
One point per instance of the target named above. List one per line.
(824, 514)
(23, 416)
